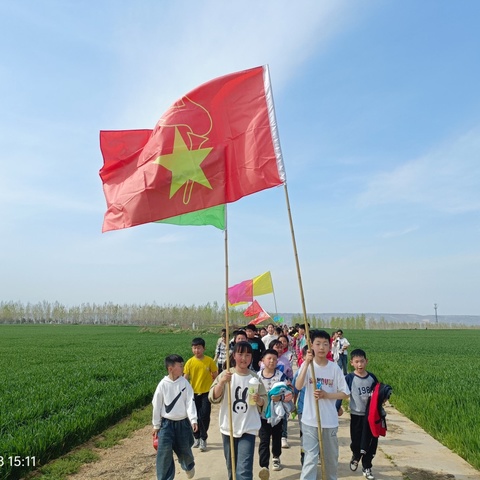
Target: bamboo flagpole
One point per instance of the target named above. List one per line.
(227, 347)
(307, 328)
(274, 300)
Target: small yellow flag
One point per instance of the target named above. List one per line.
(262, 284)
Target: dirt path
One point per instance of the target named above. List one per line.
(407, 452)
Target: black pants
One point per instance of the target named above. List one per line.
(204, 409)
(356, 428)
(266, 432)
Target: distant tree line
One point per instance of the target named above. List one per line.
(360, 322)
(110, 313)
(354, 322)
(210, 315)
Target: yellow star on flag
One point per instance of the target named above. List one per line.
(184, 164)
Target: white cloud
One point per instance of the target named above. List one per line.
(445, 179)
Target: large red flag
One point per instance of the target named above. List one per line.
(215, 145)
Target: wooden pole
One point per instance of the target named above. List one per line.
(307, 329)
(274, 300)
(227, 348)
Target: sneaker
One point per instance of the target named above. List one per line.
(264, 474)
(203, 445)
(367, 473)
(276, 464)
(285, 443)
(191, 473)
(353, 464)
(196, 443)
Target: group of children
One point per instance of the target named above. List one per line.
(182, 408)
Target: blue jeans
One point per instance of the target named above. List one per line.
(174, 436)
(244, 449)
(285, 426)
(342, 362)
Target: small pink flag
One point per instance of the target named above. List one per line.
(241, 293)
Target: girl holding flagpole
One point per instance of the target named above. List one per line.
(245, 410)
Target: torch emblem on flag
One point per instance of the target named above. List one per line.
(187, 154)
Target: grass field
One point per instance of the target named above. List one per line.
(60, 385)
(435, 379)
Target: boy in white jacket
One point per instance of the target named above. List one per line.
(174, 417)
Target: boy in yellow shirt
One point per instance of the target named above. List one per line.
(201, 371)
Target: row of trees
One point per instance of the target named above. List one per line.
(354, 322)
(173, 316)
(360, 322)
(114, 314)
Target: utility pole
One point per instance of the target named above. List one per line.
(436, 318)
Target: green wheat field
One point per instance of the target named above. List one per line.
(62, 384)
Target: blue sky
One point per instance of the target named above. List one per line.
(378, 110)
